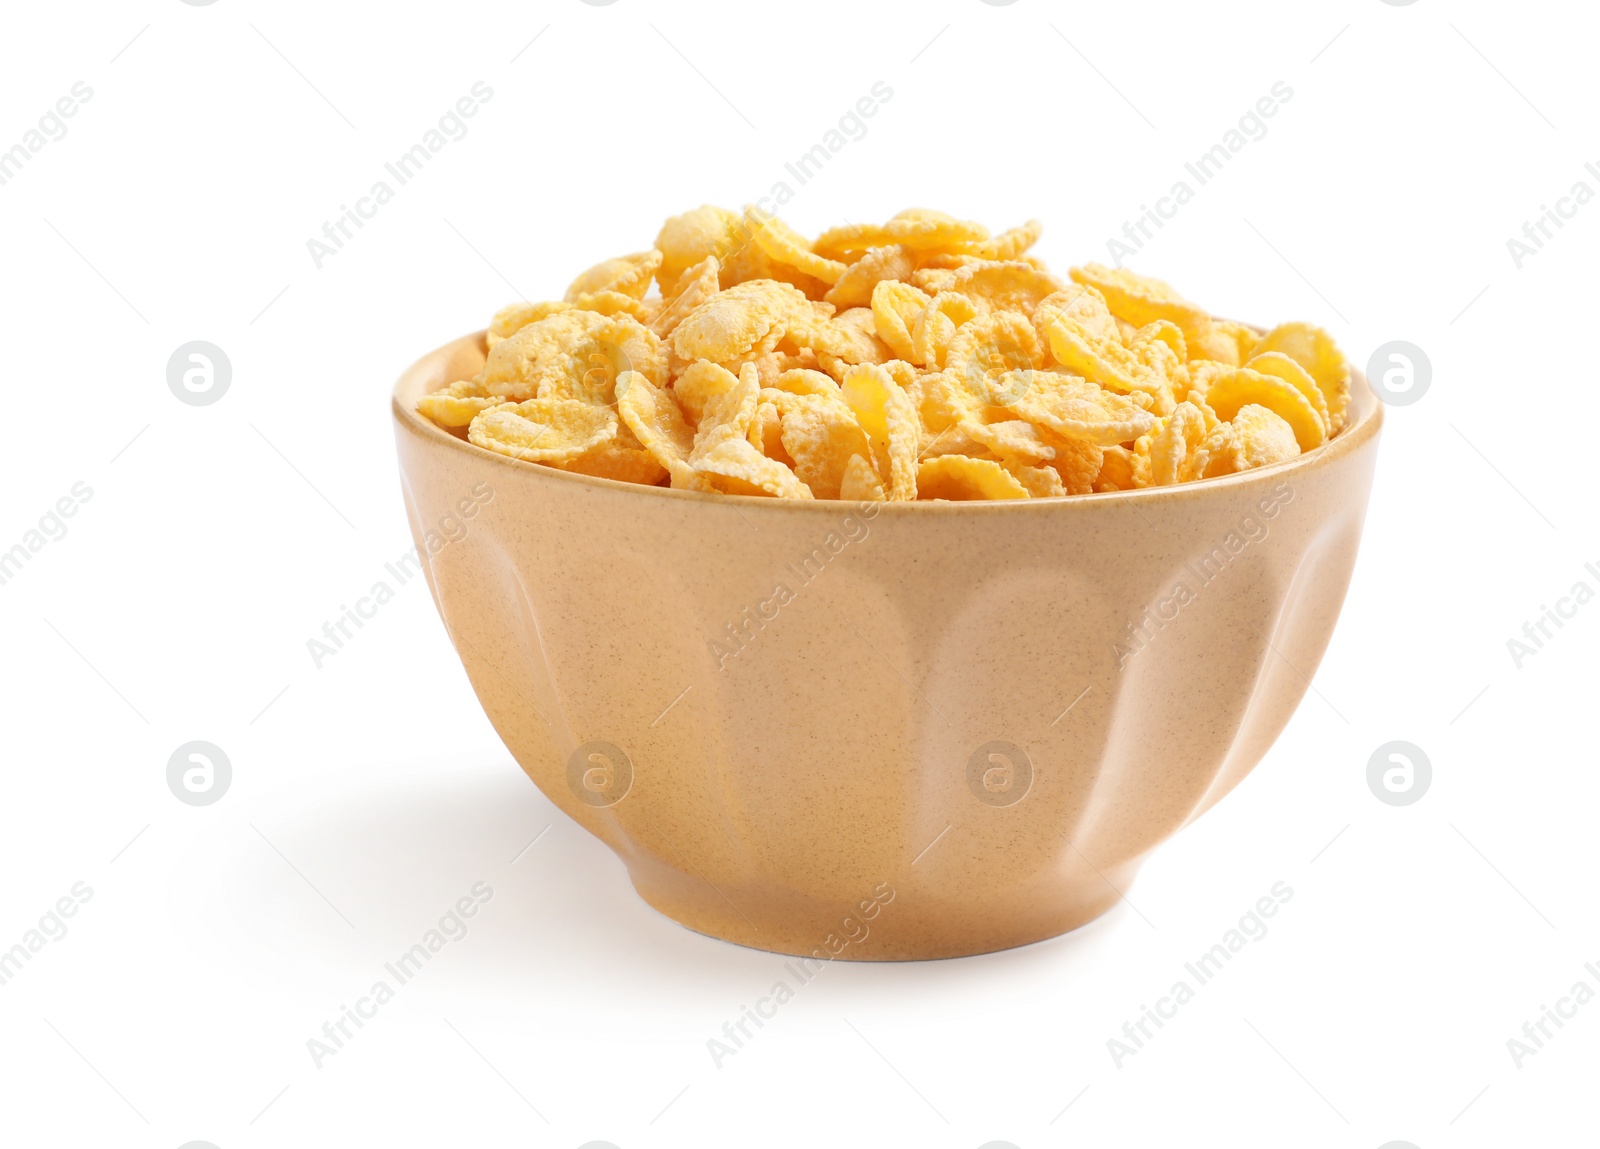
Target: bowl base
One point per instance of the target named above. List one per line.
(900, 927)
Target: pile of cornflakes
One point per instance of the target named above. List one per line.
(922, 358)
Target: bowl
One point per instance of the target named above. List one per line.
(881, 731)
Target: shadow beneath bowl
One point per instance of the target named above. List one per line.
(393, 848)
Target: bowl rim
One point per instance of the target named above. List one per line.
(1365, 423)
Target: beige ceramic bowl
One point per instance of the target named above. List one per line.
(887, 731)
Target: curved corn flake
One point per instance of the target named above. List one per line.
(1171, 445)
(953, 440)
(1204, 372)
(787, 246)
(861, 483)
(765, 433)
(623, 459)
(686, 240)
(916, 229)
(695, 286)
(802, 381)
(1279, 364)
(737, 468)
(543, 430)
(727, 416)
(854, 288)
(458, 404)
(1011, 243)
(1077, 463)
(615, 303)
(736, 321)
(850, 337)
(885, 412)
(1005, 286)
(1039, 482)
(1228, 393)
(821, 435)
(751, 262)
(1084, 306)
(895, 308)
(652, 414)
(1244, 337)
(1098, 359)
(957, 477)
(1314, 349)
(702, 382)
(1264, 437)
(946, 399)
(1072, 407)
(573, 354)
(1139, 299)
(627, 275)
(1225, 342)
(1116, 470)
(933, 279)
(512, 319)
(989, 346)
(1010, 439)
(1165, 333)
(935, 329)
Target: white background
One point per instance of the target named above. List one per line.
(370, 794)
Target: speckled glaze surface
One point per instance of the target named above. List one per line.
(881, 731)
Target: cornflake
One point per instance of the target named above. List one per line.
(915, 359)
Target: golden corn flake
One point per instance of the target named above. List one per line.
(917, 229)
(1279, 364)
(510, 320)
(735, 322)
(1009, 286)
(737, 468)
(652, 414)
(959, 478)
(1073, 407)
(1011, 439)
(458, 404)
(1314, 349)
(1011, 243)
(896, 307)
(787, 246)
(917, 358)
(686, 240)
(1232, 391)
(885, 412)
(854, 287)
(935, 328)
(626, 275)
(543, 430)
(821, 435)
(861, 483)
(1039, 482)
